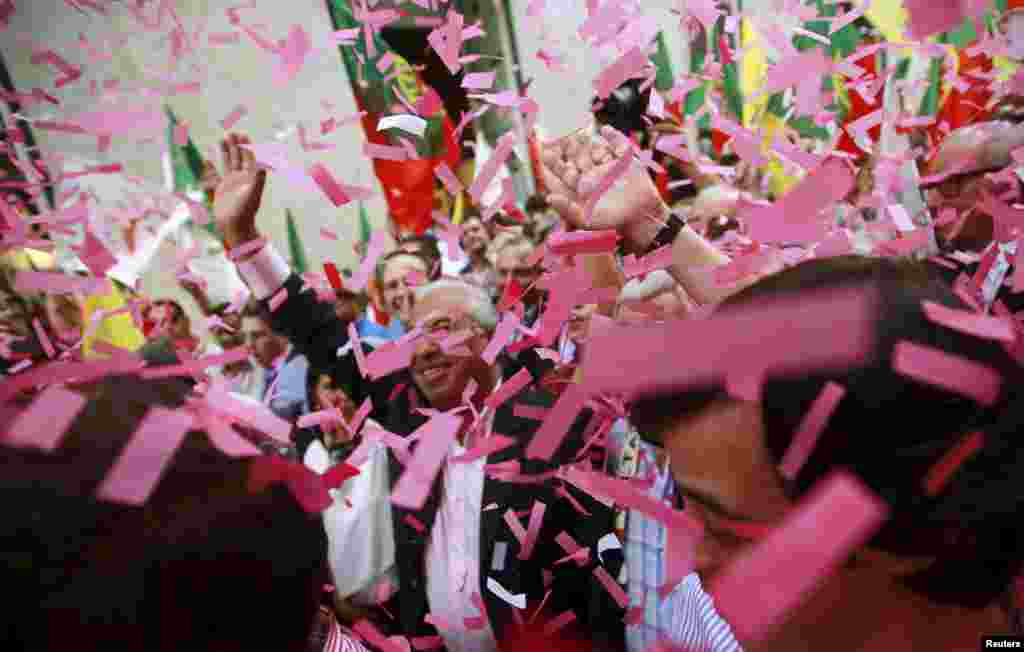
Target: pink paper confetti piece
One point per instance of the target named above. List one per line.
(385, 152)
(251, 247)
(556, 424)
(819, 329)
(446, 40)
(518, 531)
(500, 339)
(839, 515)
(594, 195)
(489, 169)
(583, 242)
(44, 339)
(435, 439)
(478, 80)
(28, 282)
(334, 191)
(255, 416)
(369, 633)
(43, 424)
(509, 388)
(950, 372)
(533, 530)
(630, 65)
(232, 118)
(811, 427)
(612, 587)
(927, 18)
(224, 38)
(793, 218)
(427, 643)
(224, 437)
(971, 323)
(359, 417)
(939, 475)
(141, 463)
(448, 178)
(279, 298)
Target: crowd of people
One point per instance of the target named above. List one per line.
(628, 421)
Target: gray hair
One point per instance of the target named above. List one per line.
(480, 307)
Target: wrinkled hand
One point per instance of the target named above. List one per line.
(573, 168)
(239, 192)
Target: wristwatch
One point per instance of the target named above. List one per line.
(667, 234)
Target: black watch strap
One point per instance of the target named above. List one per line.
(667, 234)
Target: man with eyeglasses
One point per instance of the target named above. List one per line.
(971, 171)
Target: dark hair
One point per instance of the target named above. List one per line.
(624, 109)
(398, 253)
(970, 527)
(427, 247)
(206, 564)
(537, 204)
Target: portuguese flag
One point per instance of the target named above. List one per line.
(382, 90)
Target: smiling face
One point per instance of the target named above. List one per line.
(442, 377)
(512, 263)
(396, 291)
(475, 238)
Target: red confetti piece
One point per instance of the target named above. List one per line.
(811, 427)
(231, 119)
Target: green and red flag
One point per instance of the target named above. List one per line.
(383, 83)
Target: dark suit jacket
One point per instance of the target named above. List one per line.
(315, 331)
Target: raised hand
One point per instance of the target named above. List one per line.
(573, 168)
(238, 195)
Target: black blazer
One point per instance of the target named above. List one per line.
(317, 333)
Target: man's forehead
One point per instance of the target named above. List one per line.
(447, 303)
(400, 265)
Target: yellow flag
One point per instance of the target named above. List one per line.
(119, 330)
(753, 69)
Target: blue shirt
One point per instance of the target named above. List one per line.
(369, 328)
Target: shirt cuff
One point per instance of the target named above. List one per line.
(264, 272)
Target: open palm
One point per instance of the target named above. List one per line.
(575, 166)
(239, 193)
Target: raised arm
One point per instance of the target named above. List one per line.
(573, 167)
(311, 326)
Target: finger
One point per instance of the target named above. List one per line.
(225, 158)
(233, 160)
(616, 140)
(248, 158)
(571, 177)
(554, 183)
(569, 211)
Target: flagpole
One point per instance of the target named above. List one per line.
(523, 182)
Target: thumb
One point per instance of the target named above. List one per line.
(569, 211)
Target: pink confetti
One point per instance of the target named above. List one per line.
(492, 444)
(385, 152)
(232, 118)
(489, 169)
(251, 247)
(195, 367)
(225, 38)
(931, 17)
(509, 388)
(329, 185)
(629, 66)
(819, 329)
(448, 178)
(327, 234)
(447, 41)
(617, 171)
(839, 515)
(950, 372)
(811, 427)
(478, 80)
(28, 282)
(518, 531)
(612, 587)
(43, 424)
(44, 339)
(971, 323)
(583, 242)
(138, 468)
(501, 336)
(279, 298)
(533, 530)
(435, 439)
(793, 218)
(255, 416)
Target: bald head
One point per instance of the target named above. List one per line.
(977, 148)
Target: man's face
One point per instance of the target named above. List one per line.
(512, 263)
(265, 344)
(345, 307)
(396, 292)
(440, 376)
(475, 238)
(329, 395)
